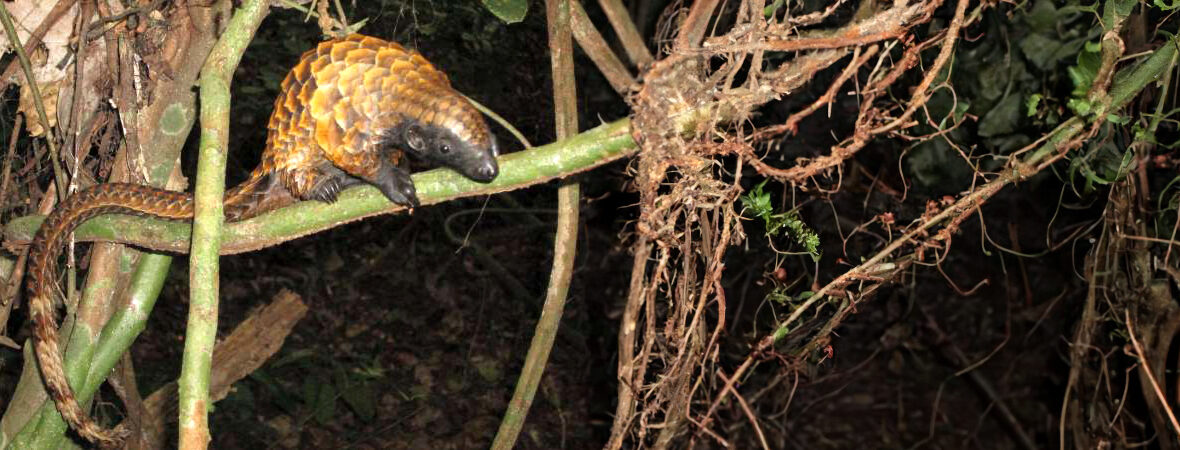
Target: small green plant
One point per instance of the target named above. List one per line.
(1082, 74)
(1100, 165)
(781, 296)
(325, 383)
(758, 202)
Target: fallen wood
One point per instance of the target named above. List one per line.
(253, 342)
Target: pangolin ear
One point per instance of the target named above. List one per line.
(414, 138)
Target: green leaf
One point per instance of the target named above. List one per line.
(1117, 119)
(1092, 178)
(488, 368)
(1167, 6)
(781, 332)
(1092, 9)
(1112, 9)
(945, 109)
(1041, 50)
(240, 400)
(1111, 165)
(770, 9)
(993, 80)
(803, 235)
(961, 109)
(362, 400)
(320, 397)
(1031, 104)
(1068, 49)
(1082, 74)
(1079, 106)
(1102, 165)
(296, 356)
(276, 392)
(1002, 119)
(778, 295)
(758, 202)
(510, 11)
(1043, 16)
(1142, 134)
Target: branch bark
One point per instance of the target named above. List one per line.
(592, 148)
(204, 281)
(565, 239)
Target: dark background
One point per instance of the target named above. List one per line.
(412, 342)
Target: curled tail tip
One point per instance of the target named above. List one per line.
(87, 428)
(109, 439)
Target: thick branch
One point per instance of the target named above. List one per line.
(597, 49)
(587, 150)
(625, 29)
(201, 331)
(565, 237)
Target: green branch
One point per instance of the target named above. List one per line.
(565, 238)
(585, 151)
(204, 273)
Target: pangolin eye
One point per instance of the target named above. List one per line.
(445, 149)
